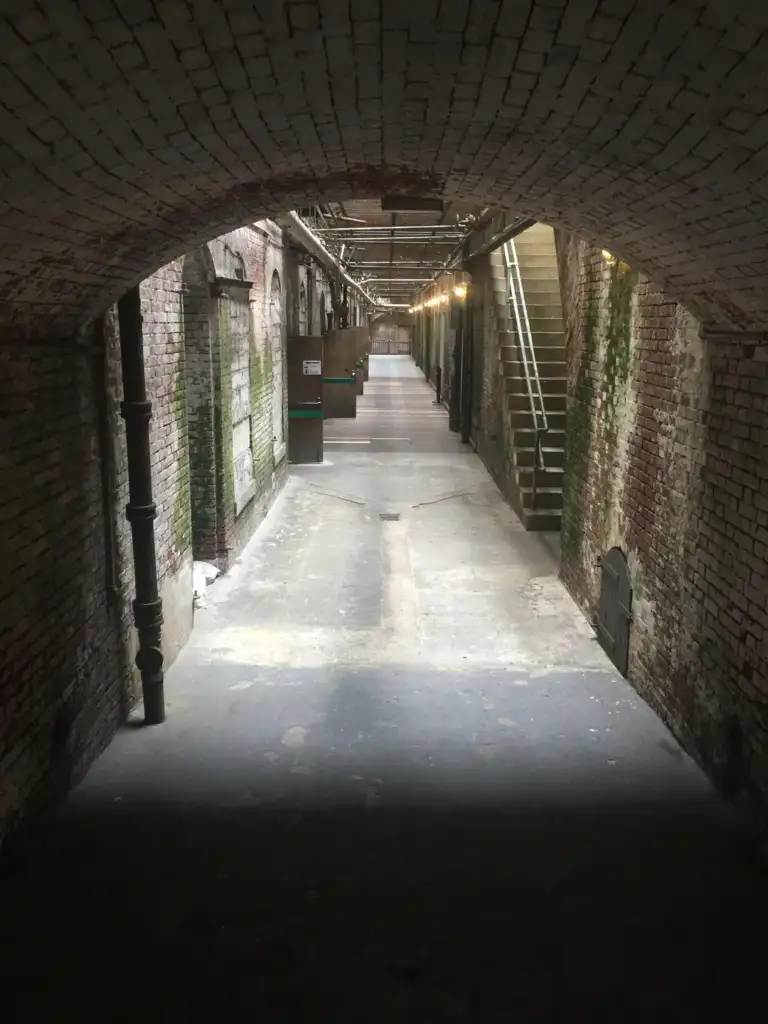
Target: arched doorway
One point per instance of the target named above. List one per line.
(275, 327)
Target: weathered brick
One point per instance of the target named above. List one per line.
(65, 599)
(695, 554)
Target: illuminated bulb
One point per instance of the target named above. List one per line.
(609, 258)
(443, 297)
(460, 291)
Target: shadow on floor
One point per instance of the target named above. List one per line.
(433, 908)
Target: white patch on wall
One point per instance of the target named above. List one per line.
(276, 352)
(245, 487)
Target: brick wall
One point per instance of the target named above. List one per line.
(165, 367)
(251, 346)
(67, 641)
(64, 681)
(202, 358)
(666, 459)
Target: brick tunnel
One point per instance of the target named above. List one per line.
(482, 678)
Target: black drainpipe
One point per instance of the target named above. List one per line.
(141, 510)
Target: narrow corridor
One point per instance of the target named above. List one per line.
(398, 776)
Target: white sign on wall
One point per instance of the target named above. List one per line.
(312, 367)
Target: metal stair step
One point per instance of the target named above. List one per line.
(542, 340)
(543, 353)
(544, 310)
(520, 401)
(546, 498)
(549, 369)
(551, 324)
(538, 324)
(556, 418)
(530, 260)
(547, 296)
(525, 437)
(534, 251)
(551, 476)
(516, 384)
(553, 457)
(540, 274)
(540, 521)
(505, 325)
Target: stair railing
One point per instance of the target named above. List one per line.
(517, 302)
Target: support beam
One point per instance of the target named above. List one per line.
(306, 237)
(141, 510)
(400, 228)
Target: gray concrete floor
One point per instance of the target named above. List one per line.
(398, 781)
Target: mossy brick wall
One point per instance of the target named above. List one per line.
(67, 641)
(666, 458)
(243, 316)
(63, 680)
(201, 350)
(165, 368)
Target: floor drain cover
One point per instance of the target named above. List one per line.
(389, 517)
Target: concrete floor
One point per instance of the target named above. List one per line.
(399, 781)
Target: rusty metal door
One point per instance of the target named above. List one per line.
(615, 612)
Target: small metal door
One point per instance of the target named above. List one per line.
(615, 612)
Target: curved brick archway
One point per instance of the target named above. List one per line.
(133, 131)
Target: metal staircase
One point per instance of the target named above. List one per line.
(531, 351)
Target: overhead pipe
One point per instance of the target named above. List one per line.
(425, 243)
(401, 265)
(306, 237)
(398, 280)
(362, 235)
(442, 228)
(510, 231)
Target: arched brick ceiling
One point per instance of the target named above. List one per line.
(135, 129)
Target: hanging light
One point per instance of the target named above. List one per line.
(444, 297)
(460, 291)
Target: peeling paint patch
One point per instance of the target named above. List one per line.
(294, 737)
